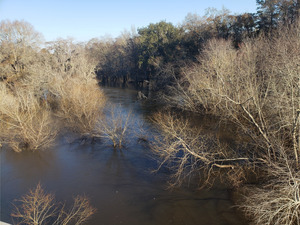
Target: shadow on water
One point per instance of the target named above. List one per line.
(119, 183)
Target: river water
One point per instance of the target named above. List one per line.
(120, 183)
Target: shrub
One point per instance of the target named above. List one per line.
(277, 200)
(80, 104)
(38, 208)
(188, 151)
(114, 126)
(25, 123)
(254, 86)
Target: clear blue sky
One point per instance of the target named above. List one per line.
(86, 19)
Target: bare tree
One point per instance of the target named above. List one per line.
(114, 126)
(19, 43)
(276, 201)
(39, 208)
(79, 104)
(256, 87)
(25, 123)
(35, 83)
(73, 88)
(187, 151)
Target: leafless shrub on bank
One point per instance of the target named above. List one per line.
(278, 200)
(25, 123)
(187, 151)
(37, 84)
(255, 86)
(38, 208)
(114, 126)
(80, 104)
(74, 92)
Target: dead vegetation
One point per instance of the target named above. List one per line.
(114, 126)
(25, 123)
(44, 90)
(276, 201)
(79, 105)
(190, 152)
(39, 208)
(74, 92)
(257, 88)
(19, 43)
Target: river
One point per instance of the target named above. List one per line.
(120, 183)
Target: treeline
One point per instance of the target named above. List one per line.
(145, 58)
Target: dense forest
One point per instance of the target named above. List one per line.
(240, 69)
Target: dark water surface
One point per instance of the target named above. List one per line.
(119, 183)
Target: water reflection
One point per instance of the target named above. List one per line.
(120, 183)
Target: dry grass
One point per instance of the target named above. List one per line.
(39, 208)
